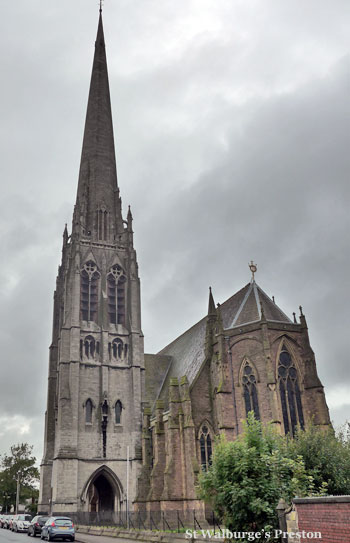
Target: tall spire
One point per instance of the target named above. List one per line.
(98, 196)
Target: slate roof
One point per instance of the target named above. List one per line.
(187, 351)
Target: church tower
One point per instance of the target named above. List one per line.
(93, 417)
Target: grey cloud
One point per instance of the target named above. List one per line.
(231, 124)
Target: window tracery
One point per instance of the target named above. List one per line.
(117, 350)
(116, 282)
(89, 291)
(205, 445)
(89, 348)
(250, 392)
(292, 409)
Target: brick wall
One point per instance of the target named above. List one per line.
(329, 515)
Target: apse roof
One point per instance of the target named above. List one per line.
(244, 307)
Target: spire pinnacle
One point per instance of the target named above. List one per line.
(211, 304)
(101, 4)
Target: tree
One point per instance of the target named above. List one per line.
(19, 464)
(249, 475)
(326, 456)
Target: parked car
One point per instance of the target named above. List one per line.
(8, 522)
(36, 525)
(4, 521)
(21, 523)
(58, 528)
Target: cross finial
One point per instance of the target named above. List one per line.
(101, 4)
(253, 268)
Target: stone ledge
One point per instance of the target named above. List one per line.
(323, 499)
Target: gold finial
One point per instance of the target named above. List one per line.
(253, 268)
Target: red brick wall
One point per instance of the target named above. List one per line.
(330, 516)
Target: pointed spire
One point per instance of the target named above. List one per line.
(211, 304)
(65, 234)
(129, 219)
(97, 187)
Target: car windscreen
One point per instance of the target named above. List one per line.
(63, 522)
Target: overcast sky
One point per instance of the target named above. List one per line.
(232, 132)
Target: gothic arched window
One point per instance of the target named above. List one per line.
(88, 411)
(116, 282)
(116, 349)
(205, 447)
(250, 392)
(89, 291)
(118, 412)
(292, 409)
(90, 347)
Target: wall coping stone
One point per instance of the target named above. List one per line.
(322, 499)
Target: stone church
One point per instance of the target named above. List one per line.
(128, 430)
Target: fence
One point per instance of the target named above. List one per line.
(175, 521)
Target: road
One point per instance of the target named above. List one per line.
(6, 536)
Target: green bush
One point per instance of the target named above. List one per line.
(249, 475)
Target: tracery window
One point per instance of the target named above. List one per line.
(118, 412)
(250, 392)
(205, 445)
(89, 291)
(116, 282)
(117, 348)
(88, 411)
(292, 409)
(89, 348)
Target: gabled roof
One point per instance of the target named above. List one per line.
(244, 307)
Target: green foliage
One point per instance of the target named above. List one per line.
(249, 475)
(18, 464)
(326, 456)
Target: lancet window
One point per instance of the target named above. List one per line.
(116, 283)
(89, 348)
(292, 409)
(88, 411)
(118, 412)
(102, 224)
(89, 291)
(118, 350)
(250, 392)
(205, 445)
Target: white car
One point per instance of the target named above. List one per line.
(21, 523)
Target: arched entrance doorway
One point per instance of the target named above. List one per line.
(103, 492)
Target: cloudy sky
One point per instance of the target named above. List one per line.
(232, 132)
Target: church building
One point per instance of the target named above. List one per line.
(128, 430)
